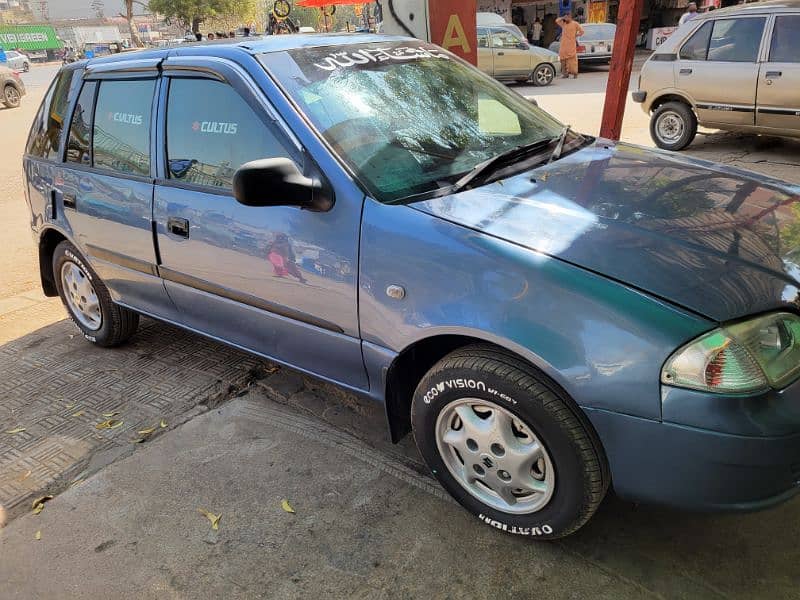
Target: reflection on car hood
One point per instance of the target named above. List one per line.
(722, 242)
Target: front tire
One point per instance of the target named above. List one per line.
(507, 445)
(11, 96)
(543, 75)
(88, 300)
(673, 126)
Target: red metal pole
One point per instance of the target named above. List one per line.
(619, 75)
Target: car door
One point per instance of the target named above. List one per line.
(485, 55)
(511, 56)
(779, 78)
(278, 280)
(718, 66)
(106, 186)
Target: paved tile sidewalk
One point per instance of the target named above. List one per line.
(57, 387)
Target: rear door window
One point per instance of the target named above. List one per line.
(45, 136)
(211, 132)
(736, 40)
(121, 132)
(785, 45)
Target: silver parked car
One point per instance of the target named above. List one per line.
(17, 61)
(505, 54)
(735, 68)
(596, 45)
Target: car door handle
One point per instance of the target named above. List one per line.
(686, 71)
(501, 54)
(771, 74)
(178, 226)
(69, 201)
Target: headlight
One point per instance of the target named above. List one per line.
(745, 357)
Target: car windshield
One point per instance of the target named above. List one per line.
(407, 117)
(605, 31)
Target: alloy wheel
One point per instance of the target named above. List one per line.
(12, 95)
(495, 456)
(81, 296)
(544, 75)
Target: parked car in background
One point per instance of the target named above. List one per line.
(736, 68)
(505, 54)
(17, 61)
(550, 314)
(596, 45)
(11, 87)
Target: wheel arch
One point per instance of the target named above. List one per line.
(670, 96)
(415, 360)
(48, 240)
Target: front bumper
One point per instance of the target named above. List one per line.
(697, 469)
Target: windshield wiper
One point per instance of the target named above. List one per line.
(560, 146)
(482, 170)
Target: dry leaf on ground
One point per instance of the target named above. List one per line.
(25, 475)
(286, 506)
(38, 535)
(211, 517)
(147, 431)
(78, 414)
(111, 414)
(162, 424)
(38, 504)
(16, 430)
(110, 424)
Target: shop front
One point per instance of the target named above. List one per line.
(659, 17)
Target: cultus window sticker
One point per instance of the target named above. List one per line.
(128, 118)
(215, 127)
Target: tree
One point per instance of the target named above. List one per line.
(135, 39)
(194, 12)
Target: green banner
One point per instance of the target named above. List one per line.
(28, 37)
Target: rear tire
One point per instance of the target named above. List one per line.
(673, 126)
(507, 445)
(543, 75)
(88, 300)
(11, 96)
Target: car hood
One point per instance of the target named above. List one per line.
(721, 242)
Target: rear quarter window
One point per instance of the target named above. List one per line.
(45, 136)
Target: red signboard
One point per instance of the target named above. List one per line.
(453, 27)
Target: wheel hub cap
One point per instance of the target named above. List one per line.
(670, 127)
(80, 296)
(495, 456)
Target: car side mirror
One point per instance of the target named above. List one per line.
(524, 45)
(278, 182)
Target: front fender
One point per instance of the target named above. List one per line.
(601, 341)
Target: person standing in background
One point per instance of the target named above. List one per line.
(536, 32)
(568, 47)
(691, 13)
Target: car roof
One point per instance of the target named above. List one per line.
(254, 45)
(769, 6)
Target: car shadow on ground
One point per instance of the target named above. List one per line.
(165, 370)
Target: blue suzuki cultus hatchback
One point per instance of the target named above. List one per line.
(548, 313)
